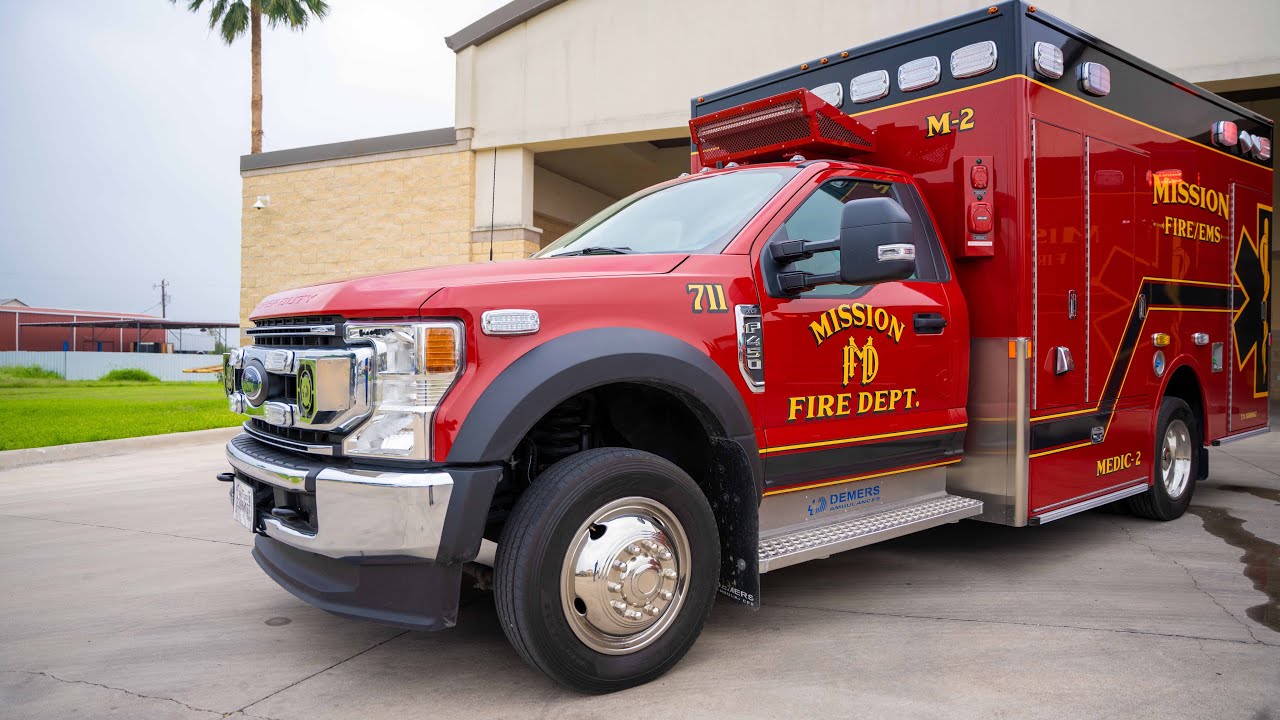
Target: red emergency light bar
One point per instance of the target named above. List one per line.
(776, 128)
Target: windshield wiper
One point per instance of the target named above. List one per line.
(595, 250)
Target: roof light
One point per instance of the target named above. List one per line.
(1224, 133)
(869, 86)
(919, 74)
(1048, 59)
(831, 92)
(1095, 78)
(1264, 148)
(974, 59)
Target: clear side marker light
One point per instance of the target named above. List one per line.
(869, 86)
(510, 322)
(919, 74)
(1095, 79)
(1047, 58)
(833, 93)
(972, 60)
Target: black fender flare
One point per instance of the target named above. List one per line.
(569, 364)
(564, 366)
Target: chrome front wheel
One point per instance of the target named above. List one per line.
(607, 569)
(625, 575)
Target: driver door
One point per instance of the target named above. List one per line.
(860, 381)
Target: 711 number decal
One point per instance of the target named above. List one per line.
(707, 297)
(945, 124)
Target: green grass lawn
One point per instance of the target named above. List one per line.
(37, 412)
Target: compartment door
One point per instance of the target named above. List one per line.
(1061, 279)
(1113, 176)
(1250, 325)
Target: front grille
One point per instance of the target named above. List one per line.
(301, 436)
(272, 332)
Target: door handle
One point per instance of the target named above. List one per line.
(929, 323)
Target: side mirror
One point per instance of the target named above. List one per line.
(875, 245)
(876, 242)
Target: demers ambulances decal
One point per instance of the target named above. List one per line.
(843, 500)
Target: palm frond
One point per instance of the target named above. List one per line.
(235, 22)
(215, 12)
(293, 13)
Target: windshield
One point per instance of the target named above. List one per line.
(698, 216)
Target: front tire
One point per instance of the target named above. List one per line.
(606, 570)
(1177, 464)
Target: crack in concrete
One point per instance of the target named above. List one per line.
(318, 672)
(1195, 582)
(51, 676)
(1056, 626)
(121, 529)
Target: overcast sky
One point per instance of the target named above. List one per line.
(122, 123)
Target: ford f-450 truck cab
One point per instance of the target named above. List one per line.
(893, 292)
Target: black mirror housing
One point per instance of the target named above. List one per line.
(876, 242)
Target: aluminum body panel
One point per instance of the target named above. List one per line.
(995, 465)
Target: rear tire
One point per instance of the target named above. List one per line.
(607, 569)
(1177, 463)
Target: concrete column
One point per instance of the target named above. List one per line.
(504, 205)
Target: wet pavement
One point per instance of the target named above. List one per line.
(127, 591)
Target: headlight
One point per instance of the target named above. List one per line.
(415, 365)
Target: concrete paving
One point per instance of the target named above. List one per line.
(127, 591)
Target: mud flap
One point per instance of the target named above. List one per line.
(735, 500)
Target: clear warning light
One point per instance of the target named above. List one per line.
(1048, 59)
(1095, 78)
(974, 59)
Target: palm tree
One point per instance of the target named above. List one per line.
(231, 17)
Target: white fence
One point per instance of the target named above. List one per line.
(93, 365)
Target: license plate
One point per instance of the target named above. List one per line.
(242, 504)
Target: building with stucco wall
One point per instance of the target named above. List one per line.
(565, 106)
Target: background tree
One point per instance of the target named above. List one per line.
(232, 17)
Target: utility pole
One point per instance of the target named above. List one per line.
(164, 311)
(164, 297)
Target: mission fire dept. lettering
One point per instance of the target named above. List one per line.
(859, 362)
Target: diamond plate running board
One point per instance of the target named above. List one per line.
(819, 542)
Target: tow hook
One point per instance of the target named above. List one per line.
(226, 477)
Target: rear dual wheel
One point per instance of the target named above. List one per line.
(606, 570)
(1178, 443)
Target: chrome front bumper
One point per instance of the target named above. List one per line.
(371, 512)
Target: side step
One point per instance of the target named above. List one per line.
(818, 542)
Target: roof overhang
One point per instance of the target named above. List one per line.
(138, 324)
(498, 22)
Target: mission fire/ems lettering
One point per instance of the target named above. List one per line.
(1173, 191)
(856, 315)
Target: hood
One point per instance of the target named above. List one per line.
(402, 294)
